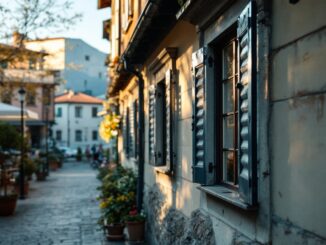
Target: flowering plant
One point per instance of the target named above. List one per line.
(117, 194)
(109, 127)
(134, 216)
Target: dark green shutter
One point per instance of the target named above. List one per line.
(135, 126)
(131, 132)
(125, 131)
(247, 111)
(198, 116)
(151, 124)
(168, 120)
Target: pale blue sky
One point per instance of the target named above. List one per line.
(90, 28)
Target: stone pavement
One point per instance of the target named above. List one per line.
(61, 210)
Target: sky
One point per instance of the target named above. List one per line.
(89, 28)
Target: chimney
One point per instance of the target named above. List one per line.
(17, 39)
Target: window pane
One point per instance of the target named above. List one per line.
(228, 166)
(228, 61)
(228, 99)
(228, 132)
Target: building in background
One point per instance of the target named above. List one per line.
(82, 67)
(76, 120)
(24, 68)
(232, 94)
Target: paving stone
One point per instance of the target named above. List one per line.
(61, 210)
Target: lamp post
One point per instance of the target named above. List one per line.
(22, 94)
(46, 169)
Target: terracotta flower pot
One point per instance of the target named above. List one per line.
(8, 205)
(136, 230)
(53, 165)
(114, 232)
(26, 188)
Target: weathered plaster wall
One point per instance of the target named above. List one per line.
(298, 122)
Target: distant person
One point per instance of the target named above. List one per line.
(94, 152)
(88, 153)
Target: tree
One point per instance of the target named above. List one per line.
(28, 19)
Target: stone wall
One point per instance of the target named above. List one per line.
(167, 225)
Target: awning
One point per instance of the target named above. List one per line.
(13, 113)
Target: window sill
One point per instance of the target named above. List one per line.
(163, 170)
(227, 195)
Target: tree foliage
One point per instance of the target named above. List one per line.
(32, 19)
(9, 137)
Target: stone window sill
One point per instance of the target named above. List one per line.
(227, 195)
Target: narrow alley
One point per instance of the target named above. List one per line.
(61, 210)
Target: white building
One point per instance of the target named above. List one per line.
(76, 120)
(82, 67)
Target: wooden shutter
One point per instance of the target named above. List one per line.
(198, 116)
(131, 132)
(160, 124)
(168, 119)
(125, 132)
(247, 112)
(151, 124)
(135, 123)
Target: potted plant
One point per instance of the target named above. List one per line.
(40, 173)
(53, 161)
(135, 223)
(30, 167)
(8, 200)
(117, 196)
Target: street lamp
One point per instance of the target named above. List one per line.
(22, 94)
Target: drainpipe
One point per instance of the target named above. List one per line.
(141, 138)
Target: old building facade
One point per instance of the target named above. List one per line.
(224, 117)
(24, 68)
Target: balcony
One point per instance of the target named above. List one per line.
(28, 76)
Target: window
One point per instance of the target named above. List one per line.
(229, 111)
(94, 111)
(127, 9)
(32, 64)
(160, 123)
(224, 114)
(31, 97)
(59, 112)
(6, 94)
(47, 96)
(58, 135)
(4, 64)
(78, 135)
(78, 111)
(94, 135)
(87, 58)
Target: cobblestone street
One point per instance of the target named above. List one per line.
(61, 210)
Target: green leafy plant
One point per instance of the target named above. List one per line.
(117, 194)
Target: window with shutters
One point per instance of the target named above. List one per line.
(162, 119)
(224, 117)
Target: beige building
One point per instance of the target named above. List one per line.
(223, 106)
(23, 68)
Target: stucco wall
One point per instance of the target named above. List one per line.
(298, 122)
(86, 124)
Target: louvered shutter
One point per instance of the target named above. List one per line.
(151, 124)
(131, 141)
(168, 119)
(135, 123)
(125, 132)
(198, 116)
(160, 124)
(246, 86)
